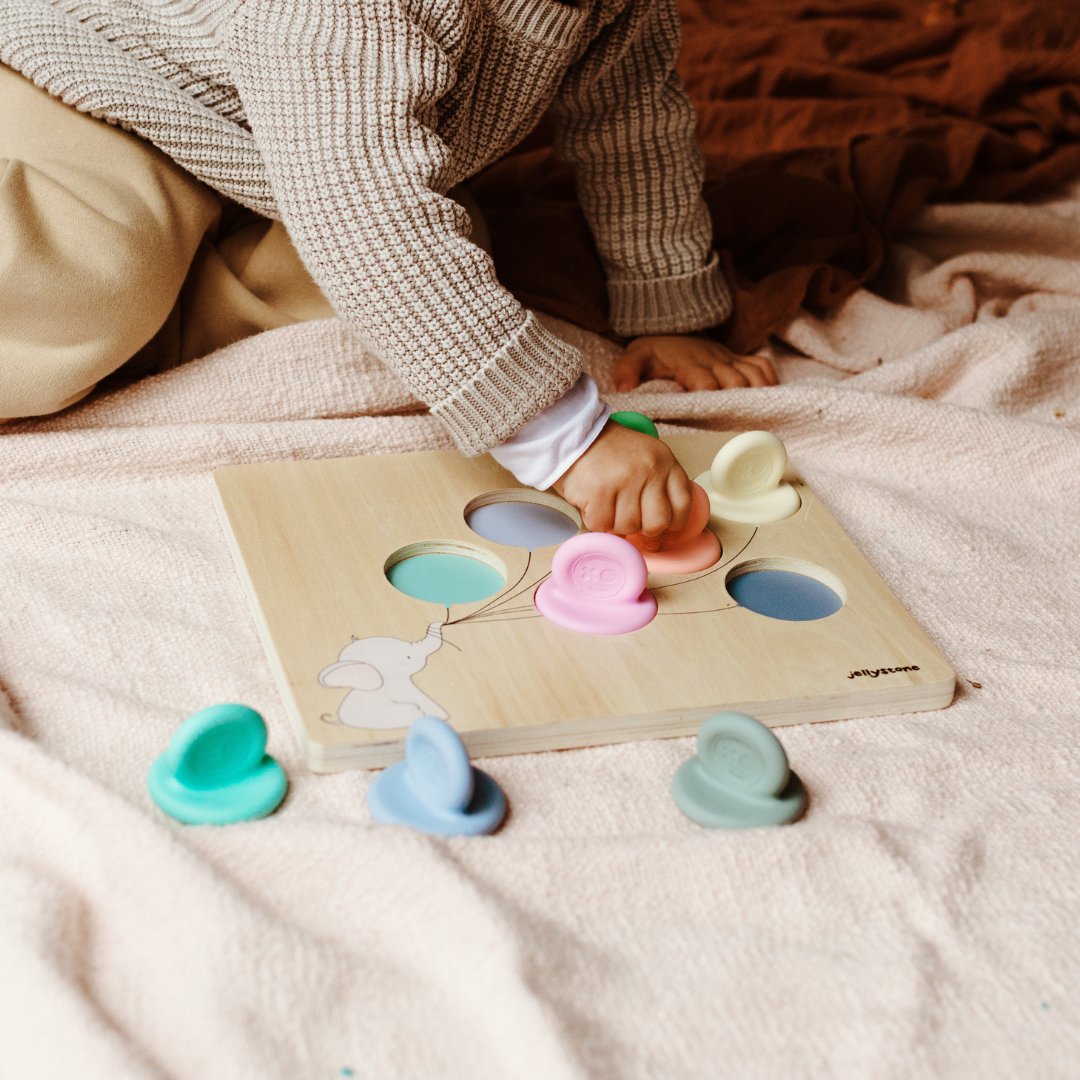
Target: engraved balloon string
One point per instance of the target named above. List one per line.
(495, 614)
(503, 611)
(497, 611)
(508, 613)
(493, 609)
(704, 611)
(518, 618)
(500, 598)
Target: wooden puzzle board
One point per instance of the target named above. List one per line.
(311, 540)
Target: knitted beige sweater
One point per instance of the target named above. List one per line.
(350, 120)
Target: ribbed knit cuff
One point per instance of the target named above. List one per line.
(672, 305)
(533, 369)
(553, 26)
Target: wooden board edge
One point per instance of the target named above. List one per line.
(277, 669)
(581, 734)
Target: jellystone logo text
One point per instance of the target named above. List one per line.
(883, 671)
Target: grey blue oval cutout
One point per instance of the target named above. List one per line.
(521, 524)
(445, 579)
(780, 594)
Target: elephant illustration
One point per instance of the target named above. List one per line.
(378, 671)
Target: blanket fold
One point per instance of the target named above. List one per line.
(826, 128)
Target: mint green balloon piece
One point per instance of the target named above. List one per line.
(739, 777)
(216, 770)
(636, 422)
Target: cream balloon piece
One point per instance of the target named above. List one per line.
(746, 482)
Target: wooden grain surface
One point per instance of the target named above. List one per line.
(311, 540)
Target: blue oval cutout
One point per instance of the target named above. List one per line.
(521, 524)
(780, 594)
(445, 579)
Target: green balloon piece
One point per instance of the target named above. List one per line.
(636, 421)
(739, 777)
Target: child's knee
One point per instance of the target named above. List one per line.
(37, 383)
(58, 338)
(81, 291)
(97, 231)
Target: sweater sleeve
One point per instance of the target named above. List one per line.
(342, 101)
(624, 120)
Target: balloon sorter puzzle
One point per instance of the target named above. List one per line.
(380, 597)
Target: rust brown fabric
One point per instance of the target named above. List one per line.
(826, 126)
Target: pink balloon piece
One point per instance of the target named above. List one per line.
(693, 547)
(597, 586)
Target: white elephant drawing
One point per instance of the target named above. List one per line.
(378, 671)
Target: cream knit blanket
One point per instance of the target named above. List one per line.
(921, 921)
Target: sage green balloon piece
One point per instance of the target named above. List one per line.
(739, 777)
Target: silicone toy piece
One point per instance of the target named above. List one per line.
(435, 789)
(597, 586)
(216, 770)
(739, 777)
(694, 547)
(636, 422)
(744, 483)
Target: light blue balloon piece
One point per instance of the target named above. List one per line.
(435, 789)
(739, 777)
(216, 770)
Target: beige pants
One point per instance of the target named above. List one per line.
(112, 255)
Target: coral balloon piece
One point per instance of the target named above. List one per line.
(597, 586)
(692, 548)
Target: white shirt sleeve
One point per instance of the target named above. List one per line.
(541, 451)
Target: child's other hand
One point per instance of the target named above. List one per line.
(627, 482)
(695, 363)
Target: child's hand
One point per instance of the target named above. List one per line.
(627, 482)
(695, 363)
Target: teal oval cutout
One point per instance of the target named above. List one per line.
(780, 594)
(445, 579)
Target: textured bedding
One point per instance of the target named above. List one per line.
(827, 125)
(923, 919)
